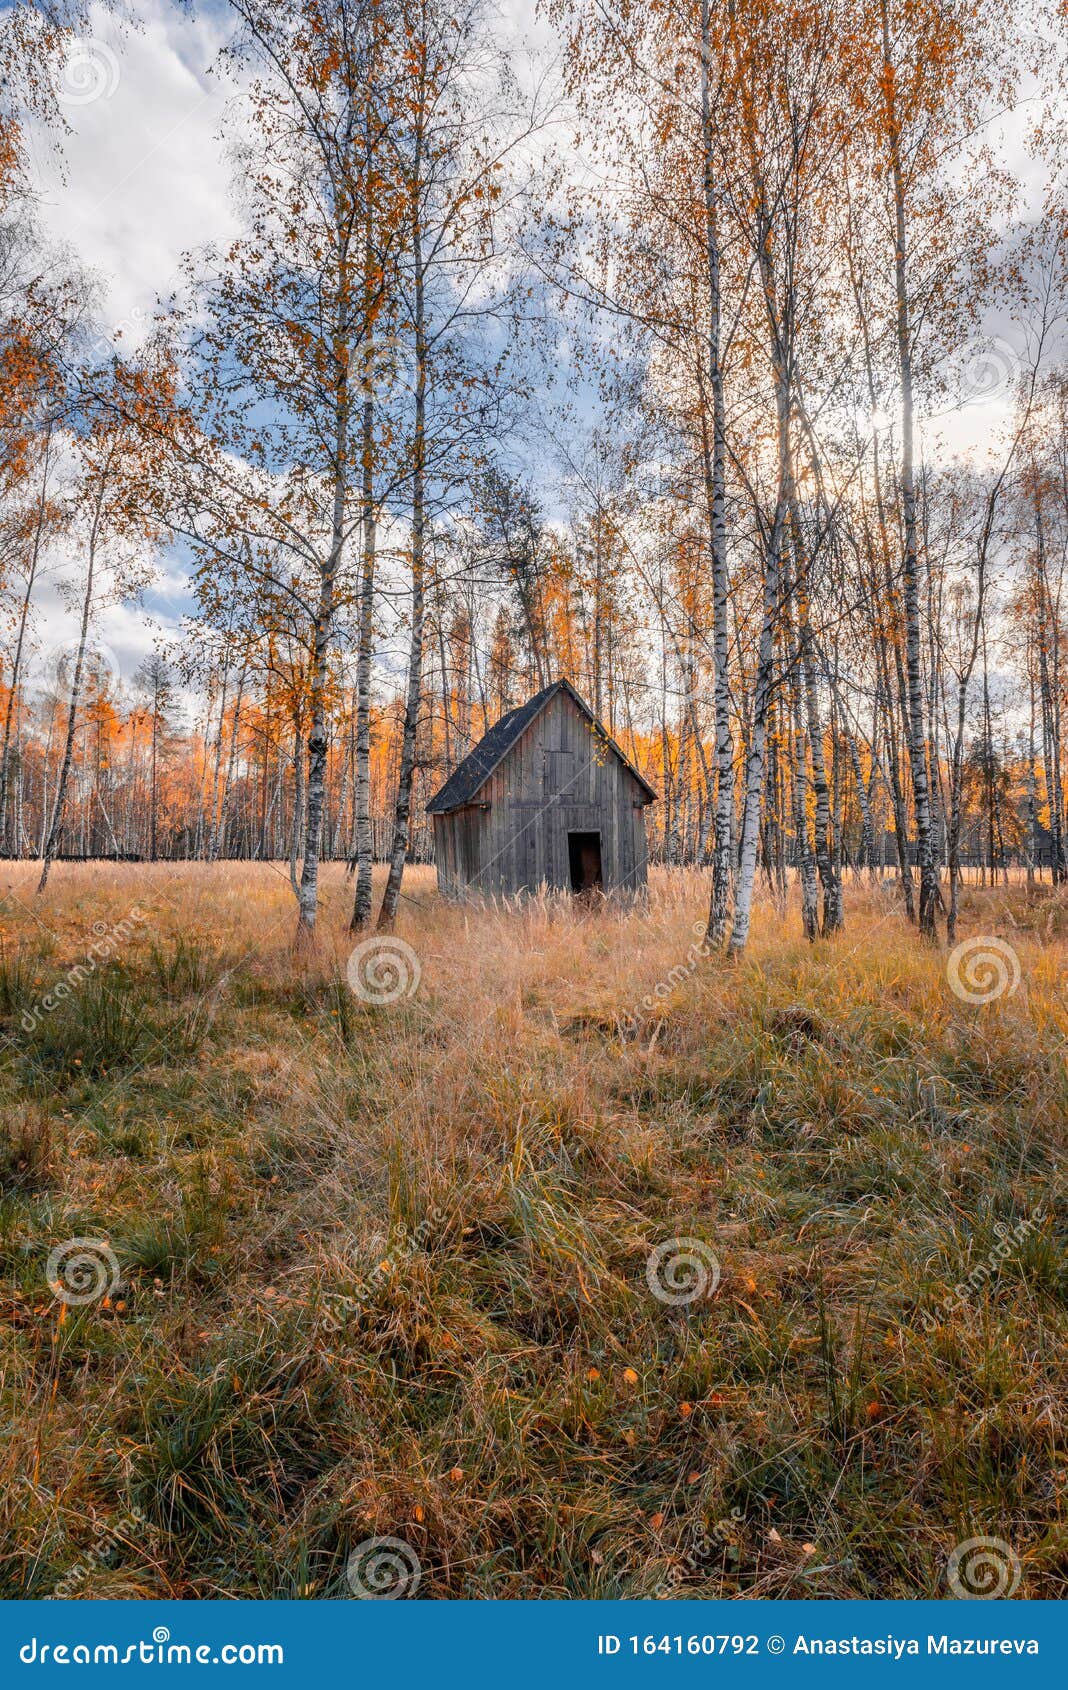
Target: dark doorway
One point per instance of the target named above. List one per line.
(584, 856)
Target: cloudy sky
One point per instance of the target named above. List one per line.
(138, 180)
(142, 177)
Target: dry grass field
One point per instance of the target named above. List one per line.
(408, 1268)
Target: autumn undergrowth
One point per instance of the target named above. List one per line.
(384, 1268)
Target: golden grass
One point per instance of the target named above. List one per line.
(382, 1268)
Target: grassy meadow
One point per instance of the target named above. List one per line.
(390, 1269)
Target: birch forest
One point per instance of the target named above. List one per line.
(533, 854)
(712, 358)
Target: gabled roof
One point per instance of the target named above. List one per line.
(472, 774)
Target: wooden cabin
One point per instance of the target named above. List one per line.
(547, 798)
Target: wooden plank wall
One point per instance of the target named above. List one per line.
(559, 777)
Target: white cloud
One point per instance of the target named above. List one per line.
(140, 179)
(143, 176)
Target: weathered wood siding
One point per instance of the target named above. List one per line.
(559, 777)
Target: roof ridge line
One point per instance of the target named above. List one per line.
(483, 758)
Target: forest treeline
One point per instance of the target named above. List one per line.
(658, 367)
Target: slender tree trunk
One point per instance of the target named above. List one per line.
(756, 760)
(308, 892)
(917, 737)
(1032, 808)
(298, 806)
(24, 613)
(387, 914)
(362, 903)
(867, 826)
(216, 774)
(806, 856)
(954, 827)
(51, 843)
(1048, 676)
(830, 880)
(218, 828)
(361, 911)
(153, 824)
(716, 484)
